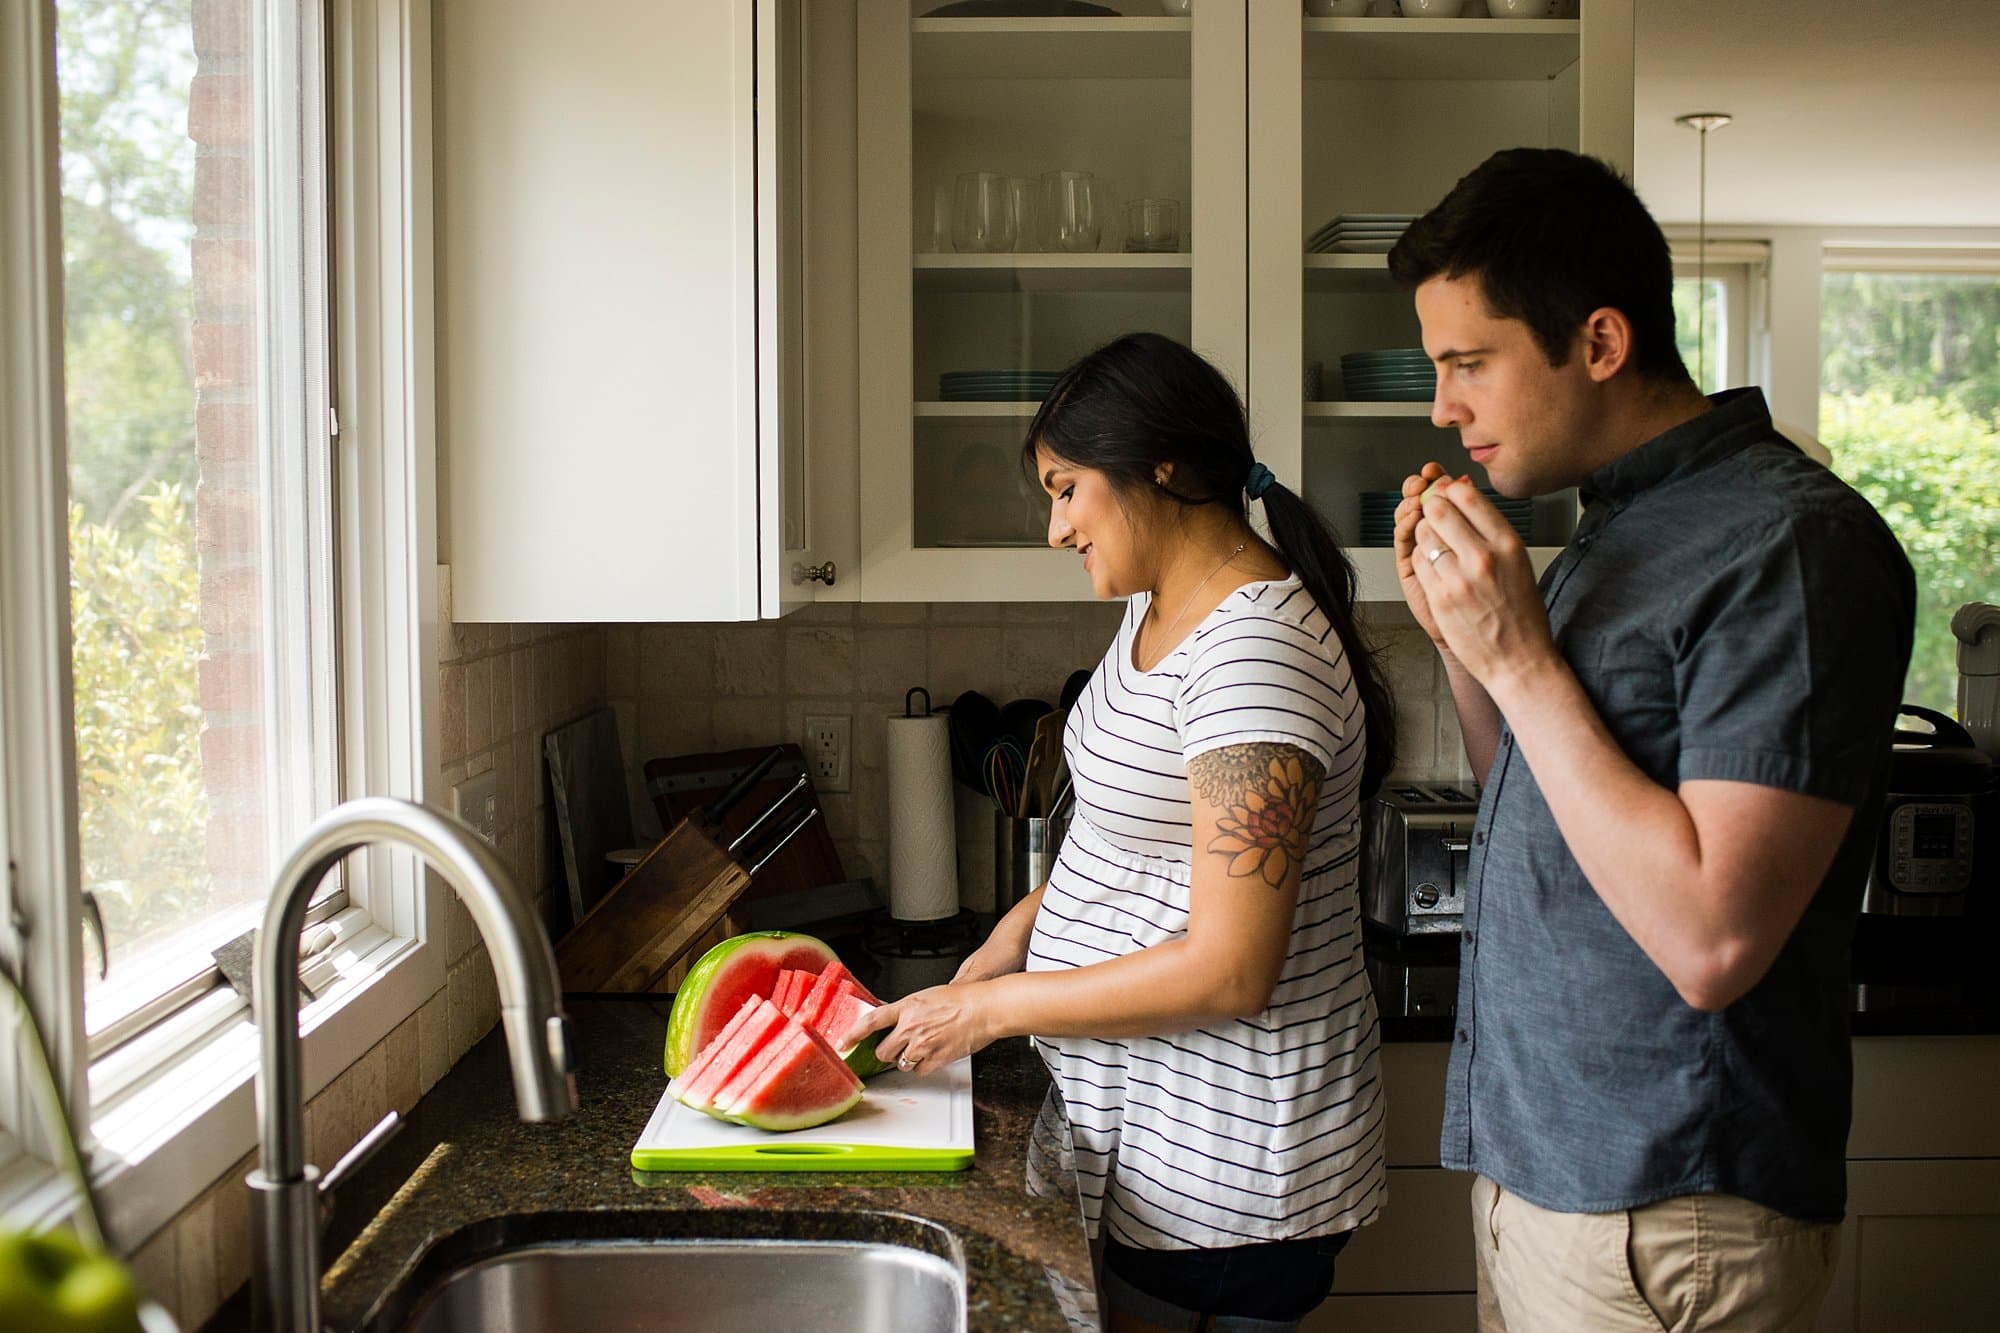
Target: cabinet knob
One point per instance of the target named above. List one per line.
(814, 573)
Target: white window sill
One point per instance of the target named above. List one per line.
(175, 1111)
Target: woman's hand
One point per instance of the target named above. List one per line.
(929, 1029)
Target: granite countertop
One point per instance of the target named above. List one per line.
(467, 1178)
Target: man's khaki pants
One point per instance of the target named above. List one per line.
(1700, 1262)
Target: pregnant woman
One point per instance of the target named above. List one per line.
(1192, 971)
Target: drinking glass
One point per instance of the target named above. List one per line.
(983, 220)
(1069, 211)
(1024, 200)
(1153, 226)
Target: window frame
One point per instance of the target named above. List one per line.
(167, 1114)
(1743, 270)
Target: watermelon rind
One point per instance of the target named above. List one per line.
(861, 1057)
(728, 974)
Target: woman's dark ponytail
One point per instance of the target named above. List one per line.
(1143, 400)
(1303, 538)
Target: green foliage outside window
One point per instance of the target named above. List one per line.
(135, 612)
(1910, 408)
(124, 69)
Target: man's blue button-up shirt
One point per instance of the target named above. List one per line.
(1734, 611)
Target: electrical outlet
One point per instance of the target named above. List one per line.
(477, 802)
(829, 742)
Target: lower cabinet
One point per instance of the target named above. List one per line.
(1918, 1250)
(1923, 1190)
(1411, 1270)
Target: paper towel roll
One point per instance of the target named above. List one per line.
(923, 846)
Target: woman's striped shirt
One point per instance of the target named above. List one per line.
(1256, 1129)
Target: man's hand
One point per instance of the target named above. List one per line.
(1408, 512)
(1477, 585)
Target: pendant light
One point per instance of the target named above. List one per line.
(1702, 122)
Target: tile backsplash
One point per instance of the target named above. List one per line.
(682, 689)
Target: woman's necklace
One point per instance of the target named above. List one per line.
(1169, 626)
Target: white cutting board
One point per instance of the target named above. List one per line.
(902, 1123)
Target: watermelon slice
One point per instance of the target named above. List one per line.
(859, 991)
(699, 1090)
(801, 1083)
(822, 990)
(841, 1013)
(793, 983)
(836, 973)
(714, 1048)
(782, 1036)
(739, 968)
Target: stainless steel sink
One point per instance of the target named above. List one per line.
(716, 1286)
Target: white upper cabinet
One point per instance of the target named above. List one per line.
(1261, 124)
(619, 249)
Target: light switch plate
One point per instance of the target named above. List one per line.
(477, 802)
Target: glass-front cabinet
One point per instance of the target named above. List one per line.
(1357, 126)
(1030, 187)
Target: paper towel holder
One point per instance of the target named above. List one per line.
(912, 693)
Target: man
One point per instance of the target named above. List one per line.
(1683, 737)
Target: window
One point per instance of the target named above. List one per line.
(195, 380)
(1910, 407)
(199, 298)
(1719, 336)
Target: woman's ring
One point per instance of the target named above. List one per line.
(1434, 553)
(905, 1062)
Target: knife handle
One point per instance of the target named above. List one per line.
(713, 812)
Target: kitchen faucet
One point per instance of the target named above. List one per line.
(285, 1191)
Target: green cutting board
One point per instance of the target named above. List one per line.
(902, 1123)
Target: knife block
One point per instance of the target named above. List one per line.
(671, 901)
(680, 785)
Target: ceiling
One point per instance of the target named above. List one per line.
(1848, 112)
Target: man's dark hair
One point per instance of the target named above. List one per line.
(1552, 235)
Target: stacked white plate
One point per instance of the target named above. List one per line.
(1359, 233)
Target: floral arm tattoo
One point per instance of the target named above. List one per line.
(1268, 794)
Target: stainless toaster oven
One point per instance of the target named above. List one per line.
(1416, 840)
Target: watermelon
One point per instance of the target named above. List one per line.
(842, 1013)
(698, 1089)
(714, 1048)
(793, 983)
(740, 968)
(781, 1038)
(822, 990)
(799, 1084)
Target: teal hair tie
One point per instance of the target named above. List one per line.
(1259, 481)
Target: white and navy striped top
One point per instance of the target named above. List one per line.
(1256, 1129)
